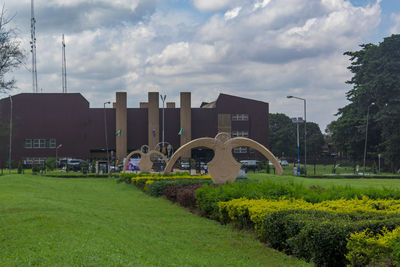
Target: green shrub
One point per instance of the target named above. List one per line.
(208, 197)
(20, 169)
(93, 166)
(319, 236)
(36, 169)
(50, 163)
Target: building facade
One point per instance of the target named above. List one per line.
(47, 124)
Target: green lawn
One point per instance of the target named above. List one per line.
(325, 182)
(96, 222)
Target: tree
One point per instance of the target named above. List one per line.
(376, 79)
(283, 137)
(10, 54)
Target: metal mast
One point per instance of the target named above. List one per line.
(64, 67)
(33, 50)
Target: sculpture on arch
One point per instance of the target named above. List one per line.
(145, 164)
(223, 167)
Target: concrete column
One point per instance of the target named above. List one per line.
(153, 120)
(121, 126)
(186, 120)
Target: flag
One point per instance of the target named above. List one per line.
(181, 132)
(118, 133)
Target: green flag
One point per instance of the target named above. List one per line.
(181, 132)
(118, 133)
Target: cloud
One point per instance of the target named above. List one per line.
(258, 49)
(395, 29)
(212, 5)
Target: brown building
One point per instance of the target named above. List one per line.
(42, 122)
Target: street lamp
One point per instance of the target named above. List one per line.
(163, 97)
(105, 133)
(297, 121)
(9, 154)
(59, 146)
(305, 131)
(366, 134)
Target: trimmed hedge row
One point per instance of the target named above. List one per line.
(319, 236)
(209, 196)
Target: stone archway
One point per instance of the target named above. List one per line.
(145, 164)
(223, 167)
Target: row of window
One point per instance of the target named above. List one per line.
(240, 134)
(34, 161)
(241, 149)
(240, 117)
(40, 143)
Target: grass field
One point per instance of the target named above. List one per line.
(96, 222)
(326, 182)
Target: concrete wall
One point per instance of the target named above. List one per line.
(186, 120)
(153, 131)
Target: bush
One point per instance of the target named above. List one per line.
(20, 169)
(157, 188)
(186, 195)
(367, 248)
(208, 197)
(50, 163)
(36, 169)
(319, 236)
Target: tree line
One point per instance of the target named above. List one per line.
(375, 92)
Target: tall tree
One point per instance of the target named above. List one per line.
(376, 80)
(10, 54)
(283, 137)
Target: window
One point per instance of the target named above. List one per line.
(28, 143)
(35, 143)
(241, 149)
(240, 133)
(42, 143)
(240, 117)
(52, 143)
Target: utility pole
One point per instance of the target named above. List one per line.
(105, 133)
(64, 67)
(9, 154)
(33, 49)
(163, 97)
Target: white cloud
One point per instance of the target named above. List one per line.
(395, 29)
(258, 49)
(233, 13)
(214, 5)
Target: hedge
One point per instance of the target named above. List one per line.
(209, 196)
(319, 236)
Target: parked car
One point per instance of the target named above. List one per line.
(185, 165)
(284, 162)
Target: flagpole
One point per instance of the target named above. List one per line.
(105, 132)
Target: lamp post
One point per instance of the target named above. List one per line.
(105, 133)
(366, 134)
(163, 97)
(379, 162)
(58, 147)
(9, 152)
(297, 121)
(305, 131)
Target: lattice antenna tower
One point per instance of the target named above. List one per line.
(33, 49)
(64, 67)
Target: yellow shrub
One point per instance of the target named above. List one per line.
(256, 209)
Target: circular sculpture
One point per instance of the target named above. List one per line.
(145, 164)
(223, 167)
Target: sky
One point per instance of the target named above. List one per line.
(258, 49)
